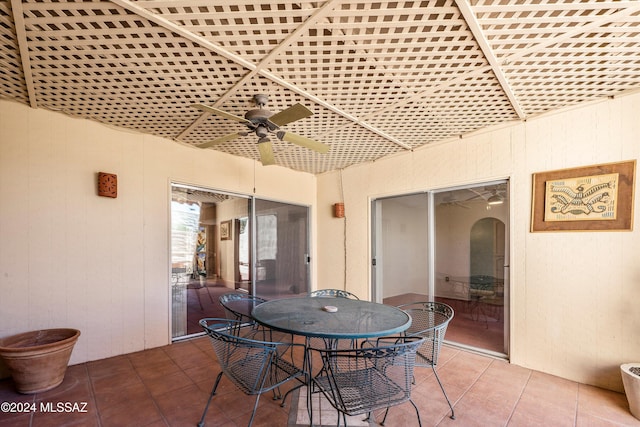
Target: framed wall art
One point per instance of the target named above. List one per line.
(590, 198)
(225, 230)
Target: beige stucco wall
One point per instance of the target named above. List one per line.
(573, 295)
(69, 258)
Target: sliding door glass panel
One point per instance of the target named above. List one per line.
(215, 238)
(185, 219)
(281, 249)
(401, 249)
(210, 254)
(471, 238)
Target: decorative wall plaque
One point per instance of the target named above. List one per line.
(107, 184)
(590, 198)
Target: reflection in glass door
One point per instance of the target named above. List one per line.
(282, 249)
(470, 261)
(216, 236)
(210, 254)
(449, 246)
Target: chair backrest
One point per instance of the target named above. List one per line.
(332, 293)
(245, 361)
(238, 306)
(428, 320)
(374, 376)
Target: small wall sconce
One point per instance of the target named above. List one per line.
(338, 210)
(107, 185)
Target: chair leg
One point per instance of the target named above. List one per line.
(213, 392)
(369, 415)
(418, 412)
(385, 417)
(453, 417)
(284, 399)
(255, 408)
(387, 411)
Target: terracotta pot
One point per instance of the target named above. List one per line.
(631, 381)
(38, 360)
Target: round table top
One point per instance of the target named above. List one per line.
(353, 319)
(243, 307)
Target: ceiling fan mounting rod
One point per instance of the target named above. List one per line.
(260, 99)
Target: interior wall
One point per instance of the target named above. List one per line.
(69, 258)
(573, 294)
(404, 247)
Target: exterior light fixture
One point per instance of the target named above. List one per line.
(495, 200)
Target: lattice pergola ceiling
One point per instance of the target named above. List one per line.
(381, 77)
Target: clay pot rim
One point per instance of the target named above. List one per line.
(12, 344)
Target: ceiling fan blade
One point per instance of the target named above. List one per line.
(220, 113)
(303, 142)
(266, 153)
(291, 114)
(221, 140)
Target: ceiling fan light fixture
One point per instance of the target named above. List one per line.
(262, 131)
(495, 200)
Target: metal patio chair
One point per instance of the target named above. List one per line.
(375, 376)
(254, 366)
(333, 293)
(238, 306)
(429, 321)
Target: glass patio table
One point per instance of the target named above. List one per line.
(314, 317)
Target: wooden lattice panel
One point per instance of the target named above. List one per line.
(99, 61)
(247, 28)
(381, 77)
(550, 62)
(381, 52)
(13, 83)
(349, 145)
(452, 111)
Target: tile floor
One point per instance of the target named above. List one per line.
(168, 386)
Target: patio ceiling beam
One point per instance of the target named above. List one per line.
(21, 33)
(482, 41)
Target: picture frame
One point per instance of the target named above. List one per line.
(589, 198)
(225, 230)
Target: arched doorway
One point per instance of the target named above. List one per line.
(487, 248)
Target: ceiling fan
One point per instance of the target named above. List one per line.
(450, 200)
(263, 122)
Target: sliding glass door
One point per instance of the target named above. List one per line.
(449, 245)
(471, 263)
(222, 242)
(400, 259)
(282, 249)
